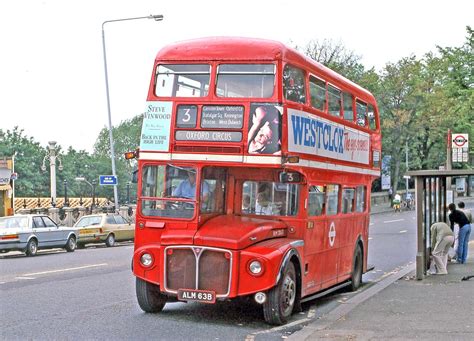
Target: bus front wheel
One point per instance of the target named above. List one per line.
(281, 299)
(149, 297)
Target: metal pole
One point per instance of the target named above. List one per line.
(66, 200)
(111, 139)
(420, 255)
(406, 165)
(52, 168)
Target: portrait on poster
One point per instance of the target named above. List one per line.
(264, 134)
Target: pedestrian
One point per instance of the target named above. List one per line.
(458, 217)
(397, 200)
(390, 193)
(464, 210)
(442, 238)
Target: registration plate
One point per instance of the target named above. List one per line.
(87, 231)
(202, 296)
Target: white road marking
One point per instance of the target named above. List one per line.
(393, 221)
(370, 238)
(23, 277)
(403, 231)
(67, 269)
(371, 224)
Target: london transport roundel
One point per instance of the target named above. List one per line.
(459, 140)
(332, 234)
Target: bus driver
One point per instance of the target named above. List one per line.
(187, 188)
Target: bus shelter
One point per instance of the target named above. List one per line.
(432, 200)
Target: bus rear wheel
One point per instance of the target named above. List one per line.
(281, 299)
(149, 297)
(356, 275)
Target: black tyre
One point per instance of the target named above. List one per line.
(149, 297)
(357, 262)
(71, 244)
(281, 299)
(31, 248)
(110, 241)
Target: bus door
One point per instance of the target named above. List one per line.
(331, 241)
(314, 239)
(347, 233)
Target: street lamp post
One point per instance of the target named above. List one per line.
(111, 139)
(51, 155)
(128, 193)
(66, 199)
(94, 182)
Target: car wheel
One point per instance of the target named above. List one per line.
(356, 275)
(31, 248)
(149, 297)
(110, 241)
(281, 299)
(71, 244)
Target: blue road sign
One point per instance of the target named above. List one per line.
(107, 180)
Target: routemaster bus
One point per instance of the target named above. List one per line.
(254, 174)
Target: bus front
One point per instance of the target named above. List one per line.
(212, 221)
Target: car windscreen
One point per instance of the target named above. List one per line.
(89, 221)
(12, 222)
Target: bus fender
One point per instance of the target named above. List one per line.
(289, 254)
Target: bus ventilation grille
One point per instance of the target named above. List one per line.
(213, 266)
(207, 149)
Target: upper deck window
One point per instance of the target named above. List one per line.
(245, 80)
(293, 84)
(371, 116)
(317, 91)
(182, 80)
(361, 109)
(348, 112)
(334, 95)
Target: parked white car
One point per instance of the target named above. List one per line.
(30, 232)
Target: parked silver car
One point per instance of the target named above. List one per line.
(30, 232)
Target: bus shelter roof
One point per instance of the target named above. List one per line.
(441, 173)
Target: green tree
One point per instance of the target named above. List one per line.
(126, 138)
(29, 156)
(335, 56)
(398, 103)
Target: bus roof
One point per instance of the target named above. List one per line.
(247, 49)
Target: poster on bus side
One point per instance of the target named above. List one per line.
(264, 131)
(314, 135)
(155, 135)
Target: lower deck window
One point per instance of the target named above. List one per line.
(270, 198)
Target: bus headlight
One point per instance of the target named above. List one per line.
(146, 260)
(255, 267)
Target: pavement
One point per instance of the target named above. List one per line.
(400, 307)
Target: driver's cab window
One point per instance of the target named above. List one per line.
(169, 191)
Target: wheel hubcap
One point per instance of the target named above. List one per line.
(289, 293)
(33, 248)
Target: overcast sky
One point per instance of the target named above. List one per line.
(51, 63)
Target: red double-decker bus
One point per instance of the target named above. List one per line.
(254, 174)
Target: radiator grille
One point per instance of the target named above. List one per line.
(198, 268)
